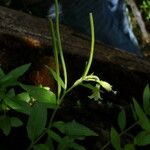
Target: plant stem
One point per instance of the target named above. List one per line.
(59, 43)
(56, 58)
(123, 132)
(92, 46)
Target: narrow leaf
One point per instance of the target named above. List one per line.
(5, 124)
(53, 135)
(15, 73)
(129, 147)
(16, 122)
(37, 121)
(115, 139)
(122, 120)
(74, 129)
(143, 120)
(49, 143)
(58, 79)
(142, 138)
(146, 100)
(40, 147)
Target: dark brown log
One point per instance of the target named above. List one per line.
(30, 27)
(126, 72)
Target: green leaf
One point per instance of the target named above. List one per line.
(24, 96)
(2, 74)
(15, 73)
(16, 122)
(18, 105)
(11, 93)
(64, 143)
(49, 143)
(129, 147)
(37, 121)
(143, 120)
(74, 129)
(41, 95)
(146, 100)
(142, 138)
(122, 120)
(76, 146)
(5, 124)
(115, 139)
(54, 136)
(57, 78)
(41, 147)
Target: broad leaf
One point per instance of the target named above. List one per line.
(129, 147)
(41, 147)
(76, 146)
(5, 124)
(24, 96)
(15, 122)
(146, 100)
(74, 129)
(41, 95)
(64, 143)
(142, 138)
(49, 143)
(18, 105)
(143, 120)
(37, 121)
(11, 93)
(53, 135)
(115, 139)
(122, 120)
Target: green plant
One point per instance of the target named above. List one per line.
(9, 99)
(145, 7)
(35, 101)
(142, 120)
(71, 130)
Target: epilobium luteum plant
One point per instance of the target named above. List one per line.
(71, 130)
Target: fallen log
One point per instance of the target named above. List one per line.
(122, 69)
(30, 27)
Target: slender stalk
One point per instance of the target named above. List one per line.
(122, 133)
(56, 58)
(64, 69)
(92, 46)
(59, 43)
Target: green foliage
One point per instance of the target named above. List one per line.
(41, 95)
(36, 101)
(8, 98)
(71, 131)
(122, 120)
(74, 129)
(142, 119)
(145, 7)
(142, 138)
(146, 100)
(37, 121)
(115, 139)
